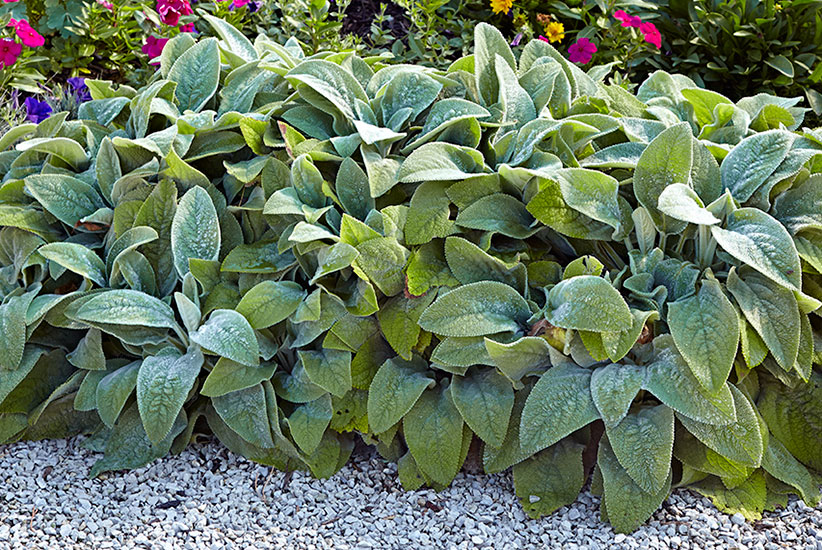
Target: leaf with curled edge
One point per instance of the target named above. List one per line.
(163, 384)
(485, 399)
(670, 380)
(244, 411)
(758, 240)
(395, 388)
(740, 441)
(559, 404)
(228, 334)
(195, 230)
(433, 431)
(772, 311)
(613, 389)
(643, 442)
(705, 329)
(128, 445)
(628, 505)
(550, 479)
(476, 309)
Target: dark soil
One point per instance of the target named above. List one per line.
(360, 14)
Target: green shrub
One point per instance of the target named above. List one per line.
(736, 48)
(295, 252)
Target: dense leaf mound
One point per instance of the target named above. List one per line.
(506, 258)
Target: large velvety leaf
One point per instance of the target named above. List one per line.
(270, 302)
(433, 432)
(195, 231)
(771, 309)
(559, 404)
(670, 379)
(128, 445)
(13, 327)
(127, 307)
(588, 303)
(309, 421)
(77, 258)
(398, 321)
(396, 386)
(666, 160)
(245, 412)
(705, 329)
(113, 391)
(197, 74)
(682, 203)
(330, 369)
(628, 506)
(755, 158)
(755, 238)
(228, 334)
(550, 479)
(643, 442)
(228, 376)
(66, 198)
(740, 441)
(428, 214)
(781, 464)
(485, 399)
(478, 309)
(163, 383)
(793, 414)
(440, 161)
(613, 389)
(750, 498)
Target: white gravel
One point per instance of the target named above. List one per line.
(207, 498)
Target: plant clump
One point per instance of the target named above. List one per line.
(295, 252)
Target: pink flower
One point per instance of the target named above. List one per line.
(626, 19)
(651, 34)
(9, 50)
(171, 10)
(188, 28)
(543, 38)
(106, 4)
(581, 51)
(154, 47)
(9, 1)
(239, 3)
(29, 36)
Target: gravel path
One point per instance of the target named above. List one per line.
(207, 498)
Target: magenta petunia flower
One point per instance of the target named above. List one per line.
(28, 35)
(651, 34)
(581, 51)
(9, 50)
(188, 28)
(154, 47)
(171, 10)
(626, 19)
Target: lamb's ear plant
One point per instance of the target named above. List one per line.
(503, 257)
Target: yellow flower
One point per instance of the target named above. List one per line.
(555, 31)
(501, 6)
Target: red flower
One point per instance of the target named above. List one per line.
(29, 36)
(627, 20)
(171, 10)
(154, 47)
(651, 34)
(581, 51)
(9, 50)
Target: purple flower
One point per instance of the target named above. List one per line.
(517, 39)
(37, 111)
(80, 89)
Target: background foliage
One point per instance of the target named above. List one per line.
(295, 250)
